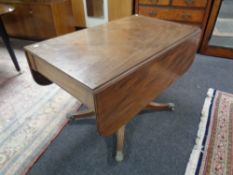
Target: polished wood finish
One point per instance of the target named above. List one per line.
(205, 47)
(118, 68)
(116, 9)
(190, 3)
(119, 8)
(160, 106)
(218, 52)
(120, 144)
(161, 71)
(67, 82)
(155, 2)
(185, 15)
(194, 12)
(39, 19)
(95, 8)
(78, 12)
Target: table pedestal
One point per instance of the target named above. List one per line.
(120, 134)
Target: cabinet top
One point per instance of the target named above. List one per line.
(4, 9)
(99, 55)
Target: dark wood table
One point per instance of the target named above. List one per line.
(116, 69)
(5, 9)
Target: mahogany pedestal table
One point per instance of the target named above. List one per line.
(116, 69)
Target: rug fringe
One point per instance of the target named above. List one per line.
(197, 149)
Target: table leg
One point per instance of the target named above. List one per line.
(160, 106)
(81, 115)
(120, 134)
(120, 144)
(8, 46)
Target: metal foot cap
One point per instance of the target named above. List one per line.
(119, 156)
(171, 106)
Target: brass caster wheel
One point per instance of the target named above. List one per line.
(119, 156)
(171, 106)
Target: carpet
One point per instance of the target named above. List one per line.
(31, 116)
(213, 153)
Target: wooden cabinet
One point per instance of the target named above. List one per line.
(39, 19)
(182, 15)
(119, 9)
(190, 3)
(89, 13)
(154, 2)
(78, 12)
(194, 12)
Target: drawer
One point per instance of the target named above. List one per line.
(42, 21)
(183, 15)
(154, 2)
(30, 21)
(189, 3)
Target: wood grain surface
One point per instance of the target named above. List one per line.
(119, 103)
(97, 55)
(117, 68)
(39, 19)
(191, 12)
(154, 2)
(184, 15)
(119, 8)
(79, 13)
(190, 3)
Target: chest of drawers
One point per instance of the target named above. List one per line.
(38, 19)
(193, 12)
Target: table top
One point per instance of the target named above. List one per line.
(97, 56)
(118, 68)
(4, 9)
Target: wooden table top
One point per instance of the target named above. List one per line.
(98, 56)
(118, 68)
(4, 9)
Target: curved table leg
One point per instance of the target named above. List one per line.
(120, 144)
(160, 106)
(120, 134)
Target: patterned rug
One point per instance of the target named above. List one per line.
(31, 116)
(213, 152)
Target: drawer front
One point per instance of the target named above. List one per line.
(154, 2)
(42, 21)
(189, 3)
(182, 15)
(30, 21)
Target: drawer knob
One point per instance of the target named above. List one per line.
(189, 1)
(30, 11)
(186, 16)
(154, 1)
(153, 13)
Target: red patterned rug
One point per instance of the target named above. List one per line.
(31, 116)
(213, 152)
